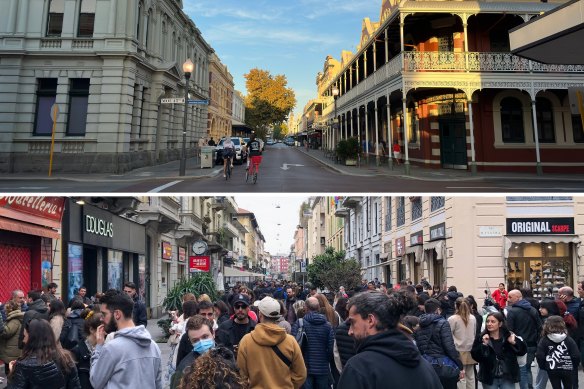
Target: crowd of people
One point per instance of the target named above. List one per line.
(284, 335)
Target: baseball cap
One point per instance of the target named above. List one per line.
(241, 299)
(269, 307)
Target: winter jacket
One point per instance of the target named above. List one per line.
(524, 320)
(258, 362)
(388, 359)
(557, 352)
(131, 359)
(9, 350)
(500, 297)
(83, 357)
(448, 307)
(321, 338)
(222, 318)
(434, 338)
(36, 310)
(30, 374)
(139, 315)
(463, 335)
(573, 306)
(72, 332)
(345, 343)
(187, 361)
(486, 357)
(226, 335)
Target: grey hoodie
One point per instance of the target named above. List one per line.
(130, 360)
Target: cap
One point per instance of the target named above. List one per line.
(241, 299)
(270, 307)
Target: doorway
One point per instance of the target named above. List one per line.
(90, 270)
(453, 153)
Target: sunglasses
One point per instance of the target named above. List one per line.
(236, 307)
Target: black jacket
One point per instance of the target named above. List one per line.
(226, 335)
(187, 361)
(72, 332)
(345, 343)
(448, 305)
(36, 310)
(434, 338)
(486, 357)
(321, 339)
(83, 358)
(29, 374)
(566, 355)
(388, 359)
(139, 314)
(524, 320)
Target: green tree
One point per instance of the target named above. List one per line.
(280, 131)
(332, 270)
(268, 101)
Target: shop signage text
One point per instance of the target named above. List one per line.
(199, 263)
(45, 207)
(490, 231)
(182, 254)
(438, 231)
(98, 226)
(400, 246)
(540, 226)
(166, 250)
(417, 238)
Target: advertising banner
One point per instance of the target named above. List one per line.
(199, 263)
(75, 269)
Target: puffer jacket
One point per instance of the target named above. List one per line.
(9, 350)
(345, 343)
(30, 374)
(434, 338)
(319, 351)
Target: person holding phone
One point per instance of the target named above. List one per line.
(500, 296)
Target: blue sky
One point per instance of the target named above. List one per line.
(290, 37)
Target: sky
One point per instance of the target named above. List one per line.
(276, 224)
(289, 37)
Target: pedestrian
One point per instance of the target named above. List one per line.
(37, 309)
(566, 294)
(344, 347)
(92, 319)
(299, 309)
(230, 332)
(215, 369)
(496, 350)
(463, 326)
(57, 317)
(500, 296)
(385, 356)
(72, 332)
(282, 322)
(177, 330)
(42, 364)
(268, 357)
(9, 350)
(319, 350)
(139, 316)
(52, 291)
(327, 310)
(131, 356)
(211, 142)
(81, 295)
(524, 321)
(557, 353)
(221, 311)
(436, 344)
(290, 301)
(396, 152)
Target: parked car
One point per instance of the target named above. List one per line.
(240, 156)
(270, 142)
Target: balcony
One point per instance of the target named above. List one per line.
(191, 226)
(342, 212)
(352, 201)
(230, 230)
(163, 212)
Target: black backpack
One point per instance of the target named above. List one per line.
(70, 334)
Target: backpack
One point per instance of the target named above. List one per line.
(301, 336)
(70, 334)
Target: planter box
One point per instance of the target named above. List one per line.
(350, 162)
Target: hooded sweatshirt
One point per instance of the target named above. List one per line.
(36, 310)
(557, 352)
(130, 360)
(259, 363)
(386, 359)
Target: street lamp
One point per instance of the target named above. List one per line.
(188, 68)
(335, 96)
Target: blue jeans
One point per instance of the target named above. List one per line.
(525, 371)
(317, 382)
(500, 383)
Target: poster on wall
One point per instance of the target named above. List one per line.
(114, 269)
(46, 261)
(75, 269)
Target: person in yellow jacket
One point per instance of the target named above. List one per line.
(267, 356)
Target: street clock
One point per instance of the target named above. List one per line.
(199, 247)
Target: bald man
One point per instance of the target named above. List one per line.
(566, 294)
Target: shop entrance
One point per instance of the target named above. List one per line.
(453, 141)
(90, 270)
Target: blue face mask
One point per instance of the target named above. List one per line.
(203, 345)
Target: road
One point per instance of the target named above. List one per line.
(288, 170)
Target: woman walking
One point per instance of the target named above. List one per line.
(463, 326)
(57, 313)
(496, 350)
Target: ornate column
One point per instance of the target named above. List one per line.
(366, 134)
(473, 163)
(351, 76)
(386, 47)
(389, 135)
(374, 56)
(538, 166)
(376, 135)
(365, 64)
(405, 126)
(357, 71)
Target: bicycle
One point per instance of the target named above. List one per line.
(228, 169)
(254, 162)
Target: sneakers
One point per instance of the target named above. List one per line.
(224, 175)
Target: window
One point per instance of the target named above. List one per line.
(46, 95)
(545, 120)
(512, 120)
(78, 101)
(577, 129)
(55, 19)
(138, 21)
(388, 214)
(413, 126)
(147, 27)
(416, 208)
(401, 211)
(436, 202)
(86, 18)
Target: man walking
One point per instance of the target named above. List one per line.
(523, 320)
(131, 358)
(319, 351)
(37, 309)
(52, 291)
(230, 332)
(268, 357)
(385, 356)
(139, 315)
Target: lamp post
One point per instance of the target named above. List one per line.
(335, 96)
(188, 67)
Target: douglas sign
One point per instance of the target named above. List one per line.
(541, 226)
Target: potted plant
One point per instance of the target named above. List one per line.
(348, 151)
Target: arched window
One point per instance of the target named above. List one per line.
(512, 120)
(545, 120)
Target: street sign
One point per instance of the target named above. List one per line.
(202, 102)
(173, 100)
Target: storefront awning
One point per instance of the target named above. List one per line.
(517, 239)
(26, 228)
(438, 245)
(233, 272)
(417, 250)
(383, 255)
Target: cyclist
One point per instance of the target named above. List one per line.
(228, 154)
(255, 154)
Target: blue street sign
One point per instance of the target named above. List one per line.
(203, 102)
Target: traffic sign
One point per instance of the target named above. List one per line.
(173, 100)
(202, 102)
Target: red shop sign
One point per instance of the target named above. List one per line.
(46, 207)
(199, 263)
(166, 250)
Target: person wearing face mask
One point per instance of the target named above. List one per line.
(199, 331)
(131, 356)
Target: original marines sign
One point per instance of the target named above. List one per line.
(541, 226)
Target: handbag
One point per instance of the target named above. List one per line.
(500, 368)
(443, 366)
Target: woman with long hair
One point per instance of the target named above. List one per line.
(327, 309)
(214, 369)
(221, 311)
(435, 290)
(57, 312)
(463, 326)
(496, 350)
(92, 320)
(9, 350)
(42, 363)
(341, 308)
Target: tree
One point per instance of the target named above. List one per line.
(332, 270)
(268, 101)
(280, 131)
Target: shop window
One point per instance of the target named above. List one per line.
(436, 203)
(78, 101)
(577, 129)
(55, 17)
(542, 267)
(46, 96)
(115, 269)
(512, 120)
(388, 214)
(401, 211)
(545, 120)
(416, 208)
(86, 18)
